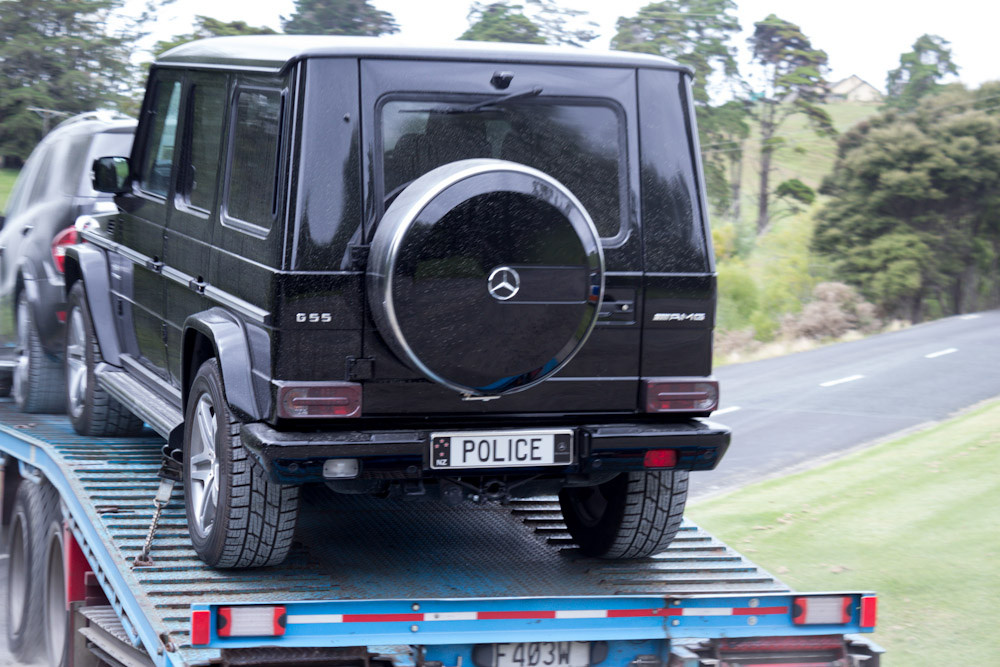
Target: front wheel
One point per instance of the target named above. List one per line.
(634, 515)
(237, 516)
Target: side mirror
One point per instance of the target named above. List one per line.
(111, 174)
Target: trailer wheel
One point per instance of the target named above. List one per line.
(55, 615)
(634, 515)
(237, 516)
(92, 410)
(38, 378)
(34, 505)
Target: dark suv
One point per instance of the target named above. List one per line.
(474, 272)
(52, 190)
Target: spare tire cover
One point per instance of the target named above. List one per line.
(486, 276)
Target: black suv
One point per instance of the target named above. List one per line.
(474, 272)
(52, 190)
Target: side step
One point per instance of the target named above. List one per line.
(140, 400)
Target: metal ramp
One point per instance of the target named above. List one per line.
(348, 547)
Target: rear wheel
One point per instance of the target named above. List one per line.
(634, 515)
(35, 506)
(92, 410)
(38, 378)
(237, 516)
(54, 614)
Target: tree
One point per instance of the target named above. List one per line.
(698, 33)
(338, 17)
(913, 217)
(920, 72)
(206, 26)
(501, 22)
(58, 56)
(556, 24)
(792, 83)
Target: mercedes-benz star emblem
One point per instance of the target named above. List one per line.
(504, 283)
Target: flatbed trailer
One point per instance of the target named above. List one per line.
(385, 582)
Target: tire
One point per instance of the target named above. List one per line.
(55, 618)
(38, 378)
(92, 410)
(35, 506)
(237, 517)
(634, 515)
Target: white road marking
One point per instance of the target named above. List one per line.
(725, 411)
(940, 353)
(969, 317)
(831, 383)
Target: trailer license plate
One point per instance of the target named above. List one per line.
(542, 654)
(501, 449)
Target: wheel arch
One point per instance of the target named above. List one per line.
(88, 263)
(217, 333)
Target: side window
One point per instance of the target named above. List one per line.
(207, 109)
(252, 184)
(159, 149)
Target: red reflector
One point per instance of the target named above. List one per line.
(251, 621)
(869, 611)
(669, 395)
(330, 399)
(825, 610)
(61, 314)
(660, 458)
(201, 627)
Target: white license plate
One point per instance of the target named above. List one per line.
(542, 654)
(501, 449)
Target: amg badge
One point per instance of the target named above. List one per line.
(679, 317)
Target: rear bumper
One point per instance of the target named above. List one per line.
(294, 457)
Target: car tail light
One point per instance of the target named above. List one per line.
(676, 395)
(255, 621)
(660, 458)
(825, 610)
(66, 237)
(330, 399)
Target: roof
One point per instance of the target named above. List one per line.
(276, 52)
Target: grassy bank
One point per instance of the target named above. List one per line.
(916, 519)
(7, 178)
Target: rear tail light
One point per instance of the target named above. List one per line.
(660, 458)
(678, 395)
(826, 610)
(869, 611)
(251, 621)
(330, 399)
(66, 237)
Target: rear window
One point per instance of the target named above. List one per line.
(580, 145)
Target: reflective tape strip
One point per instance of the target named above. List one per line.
(561, 614)
(315, 618)
(582, 613)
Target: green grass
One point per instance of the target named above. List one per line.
(7, 178)
(917, 520)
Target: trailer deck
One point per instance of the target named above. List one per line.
(381, 556)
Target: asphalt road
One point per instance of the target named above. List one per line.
(792, 411)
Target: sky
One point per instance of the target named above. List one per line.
(863, 37)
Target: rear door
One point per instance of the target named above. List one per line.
(581, 129)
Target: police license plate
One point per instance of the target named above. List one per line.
(501, 449)
(542, 654)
